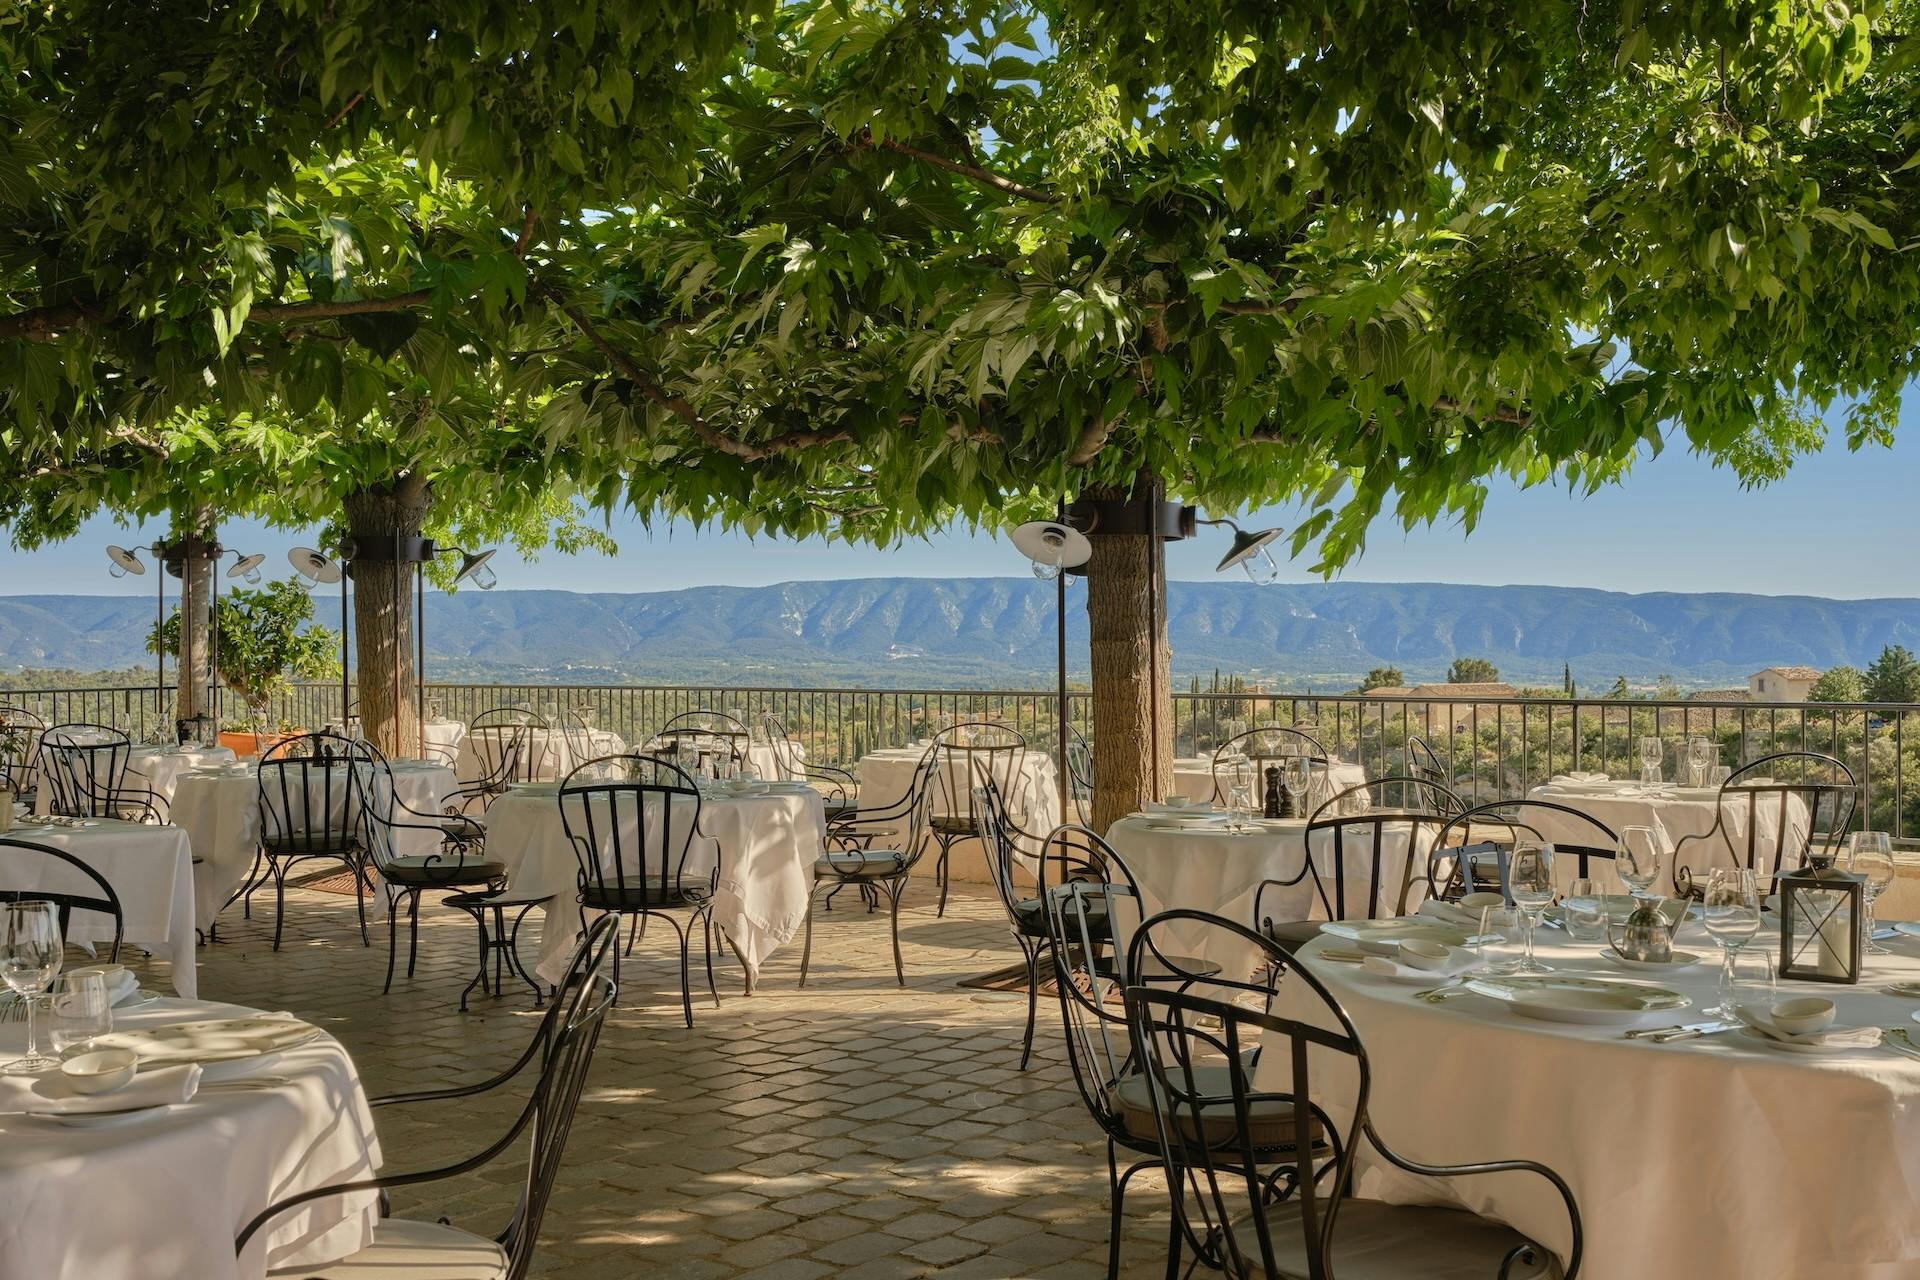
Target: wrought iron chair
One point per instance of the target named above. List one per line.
(457, 865)
(1423, 762)
(853, 860)
(959, 754)
(312, 808)
(20, 734)
(563, 1048)
(1080, 776)
(694, 740)
(1249, 1214)
(511, 744)
(837, 786)
(1486, 834)
(16, 859)
(631, 820)
(1264, 746)
(1335, 837)
(85, 767)
(1826, 791)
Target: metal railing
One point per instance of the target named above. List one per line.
(1493, 747)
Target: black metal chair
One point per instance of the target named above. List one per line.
(1336, 837)
(512, 745)
(1080, 776)
(312, 808)
(85, 768)
(837, 786)
(1486, 834)
(1249, 1215)
(853, 859)
(698, 740)
(1423, 762)
(1268, 745)
(1826, 791)
(631, 820)
(20, 733)
(457, 865)
(563, 1048)
(961, 754)
(16, 865)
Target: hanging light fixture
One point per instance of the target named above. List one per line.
(247, 569)
(474, 568)
(1053, 547)
(124, 562)
(1250, 552)
(311, 568)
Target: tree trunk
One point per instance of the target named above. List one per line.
(1127, 635)
(197, 570)
(383, 611)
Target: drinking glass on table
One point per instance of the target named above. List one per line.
(1650, 753)
(1732, 915)
(79, 1010)
(1530, 885)
(29, 961)
(1747, 980)
(1296, 775)
(1700, 757)
(1870, 855)
(1240, 792)
(1637, 853)
(1584, 911)
(1501, 943)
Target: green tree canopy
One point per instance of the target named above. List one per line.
(1472, 671)
(266, 640)
(1383, 678)
(1894, 676)
(1840, 684)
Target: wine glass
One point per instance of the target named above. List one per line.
(1700, 756)
(29, 959)
(1530, 885)
(1732, 916)
(79, 1010)
(1240, 793)
(1296, 774)
(1636, 857)
(1870, 855)
(1650, 753)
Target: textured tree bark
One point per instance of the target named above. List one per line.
(197, 570)
(1127, 634)
(383, 611)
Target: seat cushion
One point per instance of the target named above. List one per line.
(1273, 1127)
(444, 869)
(1373, 1240)
(459, 826)
(404, 1249)
(1291, 935)
(690, 891)
(1033, 918)
(859, 864)
(328, 843)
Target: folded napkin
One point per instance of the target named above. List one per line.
(52, 1095)
(1578, 778)
(1832, 1038)
(1449, 913)
(1383, 967)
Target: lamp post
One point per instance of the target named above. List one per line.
(473, 568)
(1056, 550)
(122, 562)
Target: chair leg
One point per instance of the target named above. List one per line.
(479, 979)
(806, 948)
(940, 874)
(513, 959)
(1173, 1235)
(279, 900)
(894, 891)
(255, 878)
(1031, 953)
(413, 930)
(393, 937)
(635, 928)
(706, 934)
(1116, 1194)
(360, 902)
(686, 980)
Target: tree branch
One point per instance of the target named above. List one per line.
(1502, 413)
(1093, 438)
(47, 322)
(42, 323)
(274, 314)
(984, 177)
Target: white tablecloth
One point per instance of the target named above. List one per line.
(220, 813)
(152, 769)
(1219, 872)
(442, 740)
(886, 775)
(1704, 1158)
(766, 844)
(165, 1194)
(151, 871)
(1674, 817)
(554, 749)
(1193, 777)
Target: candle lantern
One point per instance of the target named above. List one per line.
(1820, 919)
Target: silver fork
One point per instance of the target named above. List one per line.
(1894, 1040)
(1445, 991)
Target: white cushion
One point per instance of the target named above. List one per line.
(405, 1249)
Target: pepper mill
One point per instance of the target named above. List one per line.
(1275, 794)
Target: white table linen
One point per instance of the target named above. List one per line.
(151, 871)
(166, 1193)
(152, 769)
(1034, 796)
(1193, 778)
(1220, 872)
(1711, 1157)
(1675, 817)
(441, 739)
(766, 845)
(556, 751)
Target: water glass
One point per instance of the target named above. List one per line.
(1584, 911)
(30, 953)
(1501, 945)
(1747, 979)
(79, 1010)
(1530, 885)
(1870, 856)
(1637, 853)
(1296, 774)
(1650, 752)
(1731, 911)
(1700, 758)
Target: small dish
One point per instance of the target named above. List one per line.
(1680, 960)
(100, 1070)
(1421, 953)
(1802, 1015)
(1481, 901)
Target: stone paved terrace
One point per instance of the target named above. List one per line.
(852, 1129)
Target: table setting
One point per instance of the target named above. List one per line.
(1557, 996)
(1194, 777)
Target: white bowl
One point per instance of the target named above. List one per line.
(1802, 1015)
(1479, 901)
(100, 1070)
(1176, 801)
(1418, 953)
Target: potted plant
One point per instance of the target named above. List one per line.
(265, 642)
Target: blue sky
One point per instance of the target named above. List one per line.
(1841, 524)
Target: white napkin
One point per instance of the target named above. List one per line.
(1578, 778)
(1457, 963)
(1832, 1038)
(1449, 914)
(52, 1095)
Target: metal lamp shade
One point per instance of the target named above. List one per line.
(1820, 919)
(474, 568)
(1247, 548)
(247, 567)
(124, 562)
(313, 568)
(1052, 545)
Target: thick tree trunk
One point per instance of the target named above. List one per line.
(1127, 634)
(383, 612)
(197, 570)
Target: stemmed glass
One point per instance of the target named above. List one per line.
(1650, 753)
(1530, 885)
(1240, 793)
(1732, 911)
(1700, 755)
(29, 960)
(1636, 857)
(1870, 854)
(1296, 775)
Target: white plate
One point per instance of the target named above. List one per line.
(1586, 1001)
(1910, 928)
(210, 1040)
(1383, 937)
(1460, 961)
(1198, 822)
(1681, 960)
(1757, 1036)
(789, 788)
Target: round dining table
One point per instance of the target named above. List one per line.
(1193, 777)
(163, 1192)
(1715, 1156)
(1032, 792)
(765, 843)
(155, 769)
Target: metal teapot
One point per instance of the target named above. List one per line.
(1648, 936)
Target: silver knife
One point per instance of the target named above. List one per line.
(1698, 1028)
(1695, 1031)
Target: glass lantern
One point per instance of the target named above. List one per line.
(1820, 919)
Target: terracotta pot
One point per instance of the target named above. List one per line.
(247, 745)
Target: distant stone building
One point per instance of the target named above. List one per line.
(1450, 704)
(1720, 695)
(1782, 684)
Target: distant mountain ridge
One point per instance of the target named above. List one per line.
(973, 631)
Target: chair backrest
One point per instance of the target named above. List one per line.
(1099, 1049)
(512, 744)
(312, 790)
(631, 819)
(1421, 761)
(1011, 850)
(42, 873)
(579, 735)
(1338, 840)
(1773, 792)
(20, 733)
(694, 740)
(960, 753)
(1261, 747)
(786, 753)
(1080, 776)
(1488, 832)
(85, 765)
